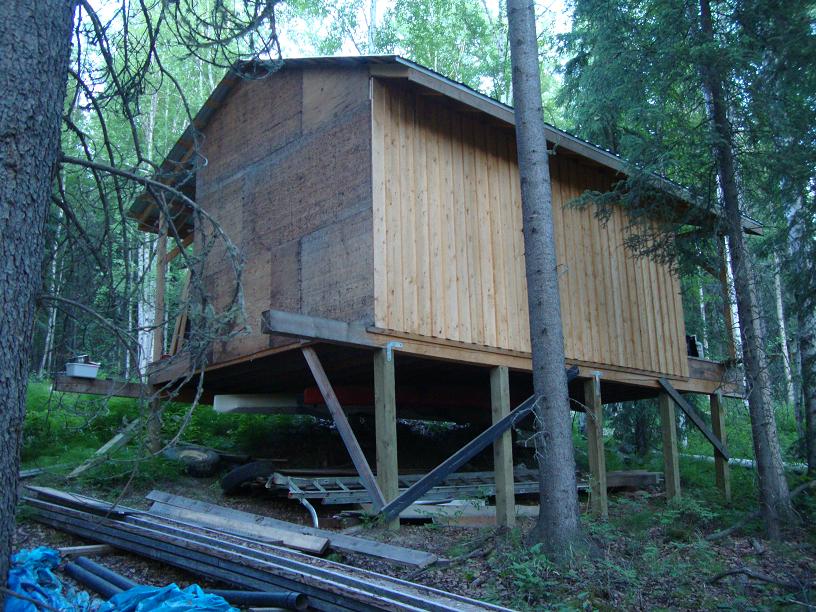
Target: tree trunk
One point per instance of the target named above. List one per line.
(703, 318)
(557, 528)
(774, 494)
(783, 335)
(51, 325)
(800, 235)
(35, 38)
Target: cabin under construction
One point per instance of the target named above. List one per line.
(377, 208)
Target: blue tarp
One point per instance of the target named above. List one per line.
(31, 575)
(166, 599)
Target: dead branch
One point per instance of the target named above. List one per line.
(718, 535)
(746, 571)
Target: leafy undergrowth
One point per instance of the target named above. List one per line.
(649, 555)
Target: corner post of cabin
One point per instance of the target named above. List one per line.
(595, 445)
(503, 449)
(671, 460)
(385, 424)
(154, 418)
(721, 469)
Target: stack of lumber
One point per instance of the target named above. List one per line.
(238, 560)
(245, 523)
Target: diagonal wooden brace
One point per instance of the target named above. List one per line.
(344, 428)
(695, 418)
(462, 456)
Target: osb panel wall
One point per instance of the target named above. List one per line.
(287, 180)
(449, 253)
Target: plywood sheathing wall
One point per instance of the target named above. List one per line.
(449, 253)
(288, 179)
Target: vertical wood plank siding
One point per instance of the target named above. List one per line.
(449, 254)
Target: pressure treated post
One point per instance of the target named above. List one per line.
(595, 446)
(671, 462)
(503, 449)
(721, 469)
(385, 423)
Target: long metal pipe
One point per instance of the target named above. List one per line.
(92, 581)
(283, 599)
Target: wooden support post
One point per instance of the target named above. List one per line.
(722, 471)
(595, 446)
(344, 428)
(671, 460)
(503, 449)
(385, 423)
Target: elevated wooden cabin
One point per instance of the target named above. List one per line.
(374, 192)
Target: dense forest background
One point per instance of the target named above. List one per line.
(619, 74)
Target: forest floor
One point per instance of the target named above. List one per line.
(649, 554)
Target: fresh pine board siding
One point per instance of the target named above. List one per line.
(452, 262)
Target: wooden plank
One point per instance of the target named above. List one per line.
(315, 545)
(76, 500)
(337, 541)
(721, 469)
(692, 414)
(422, 259)
(472, 233)
(503, 449)
(460, 229)
(436, 218)
(393, 215)
(344, 428)
(499, 232)
(595, 446)
(295, 325)
(407, 227)
(449, 261)
(96, 386)
(89, 550)
(671, 462)
(103, 453)
(385, 423)
(483, 220)
(462, 456)
(379, 119)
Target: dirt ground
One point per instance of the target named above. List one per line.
(656, 568)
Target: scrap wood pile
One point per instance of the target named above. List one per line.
(226, 553)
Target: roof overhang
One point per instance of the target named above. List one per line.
(179, 166)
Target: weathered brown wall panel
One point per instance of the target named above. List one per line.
(289, 180)
(450, 256)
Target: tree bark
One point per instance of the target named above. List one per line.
(774, 494)
(35, 38)
(558, 526)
